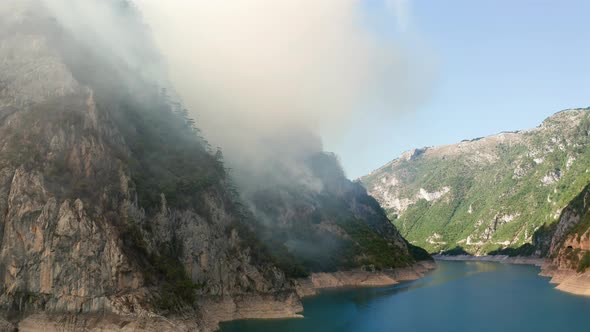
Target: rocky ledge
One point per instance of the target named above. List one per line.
(568, 281)
(318, 281)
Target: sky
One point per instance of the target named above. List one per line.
(498, 65)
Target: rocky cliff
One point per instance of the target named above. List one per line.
(117, 215)
(569, 249)
(110, 201)
(489, 193)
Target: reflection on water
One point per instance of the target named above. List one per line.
(444, 274)
(483, 266)
(458, 296)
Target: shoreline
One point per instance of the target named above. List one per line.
(568, 281)
(518, 260)
(317, 282)
(307, 287)
(213, 310)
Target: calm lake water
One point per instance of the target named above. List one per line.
(457, 297)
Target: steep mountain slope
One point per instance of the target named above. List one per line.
(568, 246)
(487, 193)
(110, 200)
(113, 204)
(331, 226)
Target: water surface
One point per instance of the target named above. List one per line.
(457, 297)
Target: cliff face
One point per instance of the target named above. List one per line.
(569, 250)
(114, 206)
(110, 201)
(488, 193)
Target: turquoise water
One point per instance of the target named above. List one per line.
(457, 297)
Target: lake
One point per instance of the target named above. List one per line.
(456, 297)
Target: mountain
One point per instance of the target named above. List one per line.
(488, 193)
(118, 215)
(111, 201)
(330, 226)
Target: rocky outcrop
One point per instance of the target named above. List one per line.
(569, 281)
(569, 250)
(317, 281)
(569, 266)
(90, 221)
(253, 306)
(217, 309)
(67, 250)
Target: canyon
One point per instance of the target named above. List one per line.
(119, 215)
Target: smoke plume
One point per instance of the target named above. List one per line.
(257, 73)
(264, 79)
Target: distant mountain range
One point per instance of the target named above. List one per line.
(489, 193)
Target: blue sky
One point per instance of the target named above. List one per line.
(501, 65)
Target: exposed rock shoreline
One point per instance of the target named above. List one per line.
(318, 281)
(218, 311)
(214, 310)
(566, 280)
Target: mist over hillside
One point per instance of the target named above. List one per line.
(266, 80)
(116, 203)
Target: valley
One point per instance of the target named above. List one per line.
(488, 193)
(168, 166)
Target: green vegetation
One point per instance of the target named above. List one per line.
(143, 132)
(167, 155)
(501, 190)
(584, 262)
(338, 228)
(162, 268)
(584, 224)
(374, 249)
(272, 251)
(573, 256)
(457, 251)
(176, 288)
(419, 254)
(526, 249)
